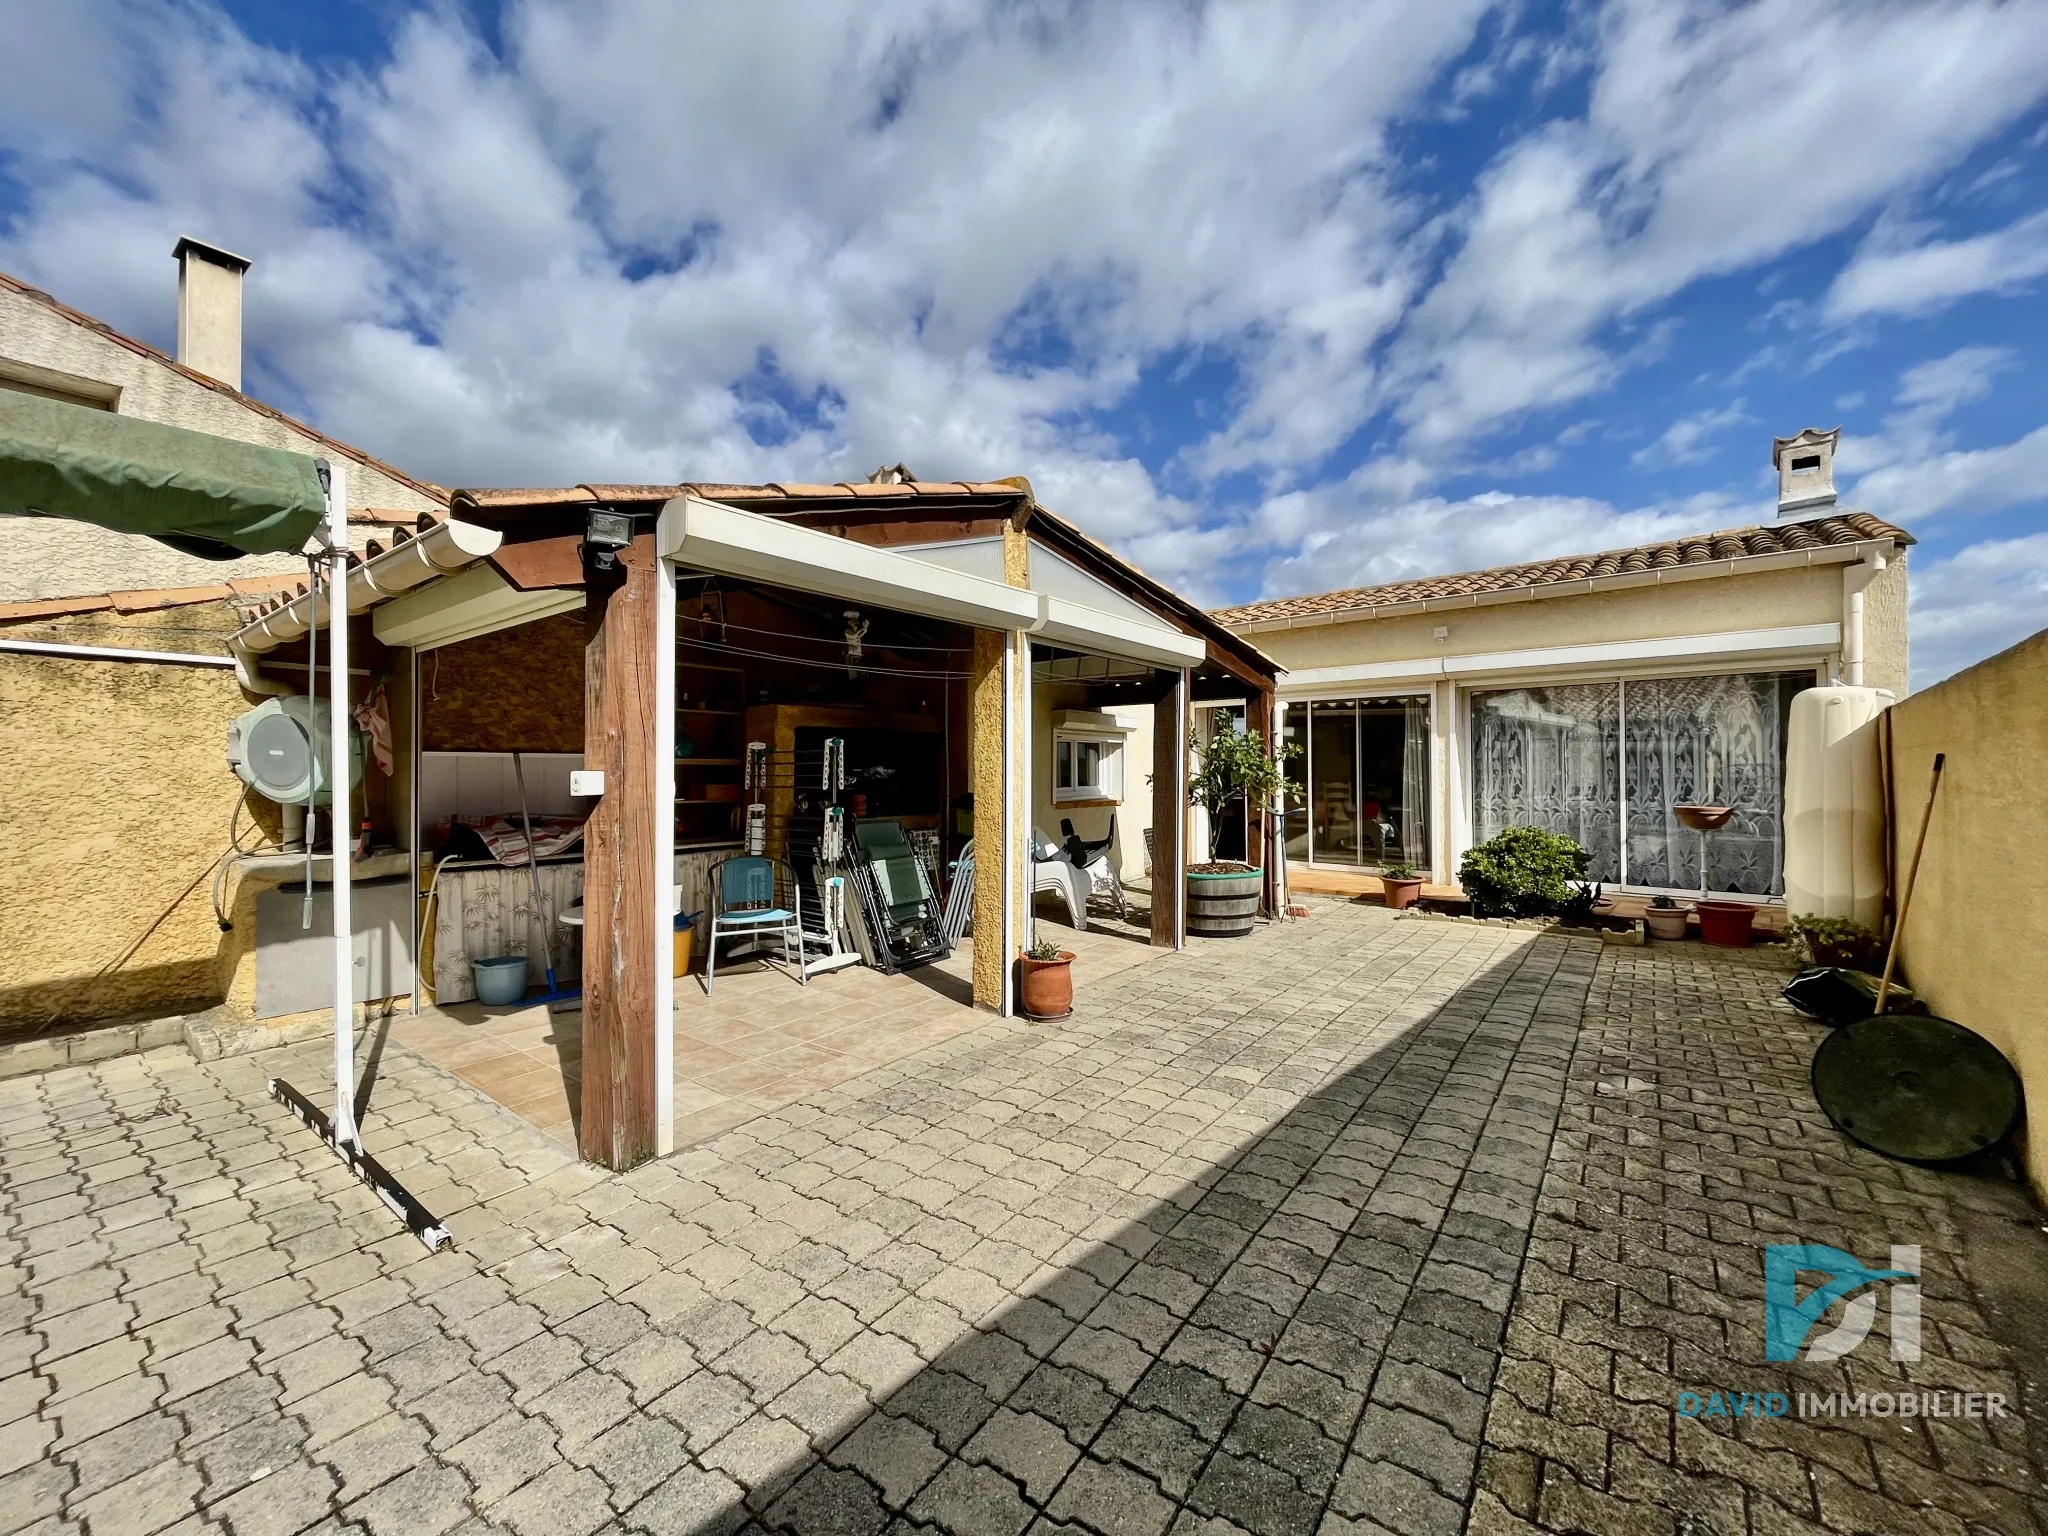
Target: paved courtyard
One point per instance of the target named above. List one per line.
(1357, 1225)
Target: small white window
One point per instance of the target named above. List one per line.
(1087, 768)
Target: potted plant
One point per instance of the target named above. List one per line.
(1665, 918)
(1835, 941)
(1048, 981)
(1223, 897)
(1400, 885)
(1726, 923)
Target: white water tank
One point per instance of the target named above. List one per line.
(1834, 805)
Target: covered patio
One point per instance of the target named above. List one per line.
(756, 1043)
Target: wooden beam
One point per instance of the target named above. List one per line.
(618, 1128)
(541, 564)
(1169, 811)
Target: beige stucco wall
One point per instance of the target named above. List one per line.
(42, 558)
(114, 803)
(1133, 815)
(1975, 941)
(1717, 605)
(1887, 659)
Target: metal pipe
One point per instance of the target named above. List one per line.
(115, 653)
(412, 860)
(666, 902)
(338, 799)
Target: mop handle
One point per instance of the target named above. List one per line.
(547, 948)
(1891, 954)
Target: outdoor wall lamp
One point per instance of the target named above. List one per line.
(604, 535)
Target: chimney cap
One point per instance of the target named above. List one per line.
(213, 253)
(1805, 437)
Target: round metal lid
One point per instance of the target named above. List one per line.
(1916, 1087)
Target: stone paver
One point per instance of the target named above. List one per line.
(1360, 1224)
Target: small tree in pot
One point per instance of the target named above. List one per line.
(1223, 899)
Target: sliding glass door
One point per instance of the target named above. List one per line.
(1604, 763)
(1359, 794)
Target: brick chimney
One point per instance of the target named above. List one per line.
(1806, 472)
(210, 309)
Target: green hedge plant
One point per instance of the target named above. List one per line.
(1522, 872)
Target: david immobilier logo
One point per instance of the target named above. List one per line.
(1789, 1319)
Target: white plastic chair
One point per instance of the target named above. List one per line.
(1052, 870)
(747, 896)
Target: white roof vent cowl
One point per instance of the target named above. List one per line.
(1806, 472)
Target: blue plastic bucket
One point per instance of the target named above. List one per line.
(500, 979)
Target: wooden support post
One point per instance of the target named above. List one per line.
(1169, 810)
(618, 1128)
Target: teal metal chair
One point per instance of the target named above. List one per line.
(759, 899)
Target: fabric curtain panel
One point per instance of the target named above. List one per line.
(1589, 759)
(1708, 741)
(1415, 781)
(1550, 758)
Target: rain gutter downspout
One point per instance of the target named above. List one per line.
(1854, 579)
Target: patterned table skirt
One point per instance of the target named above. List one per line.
(485, 912)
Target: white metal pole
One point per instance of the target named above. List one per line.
(1006, 869)
(338, 802)
(666, 903)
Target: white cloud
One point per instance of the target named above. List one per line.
(843, 222)
(1984, 598)
(1911, 470)
(1917, 279)
(1685, 440)
(1717, 138)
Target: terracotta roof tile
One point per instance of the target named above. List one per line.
(1700, 549)
(15, 285)
(53, 607)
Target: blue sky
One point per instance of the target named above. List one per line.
(1275, 297)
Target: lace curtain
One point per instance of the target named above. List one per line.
(1709, 741)
(1558, 758)
(1550, 758)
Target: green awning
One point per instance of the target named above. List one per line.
(200, 493)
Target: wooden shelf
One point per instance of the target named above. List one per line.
(710, 802)
(699, 709)
(713, 762)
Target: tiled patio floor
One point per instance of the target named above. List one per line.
(756, 1043)
(1353, 1226)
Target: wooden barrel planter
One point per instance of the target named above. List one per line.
(1223, 906)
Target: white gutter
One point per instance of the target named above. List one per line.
(445, 547)
(113, 653)
(1854, 579)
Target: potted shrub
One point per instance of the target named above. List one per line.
(1223, 896)
(1664, 918)
(1047, 990)
(1836, 941)
(1521, 872)
(1400, 885)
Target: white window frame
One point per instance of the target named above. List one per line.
(1109, 766)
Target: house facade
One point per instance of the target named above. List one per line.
(1588, 694)
(115, 674)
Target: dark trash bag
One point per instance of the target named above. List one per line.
(1836, 995)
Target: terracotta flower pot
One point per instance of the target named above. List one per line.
(1726, 923)
(1400, 894)
(1048, 986)
(1665, 922)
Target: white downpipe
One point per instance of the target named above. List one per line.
(1854, 579)
(339, 808)
(1006, 867)
(1027, 748)
(665, 902)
